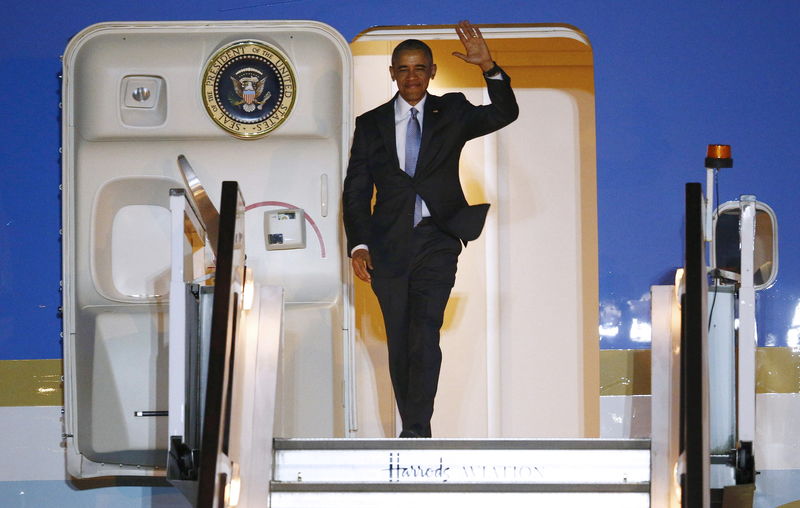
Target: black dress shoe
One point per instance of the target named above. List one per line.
(409, 433)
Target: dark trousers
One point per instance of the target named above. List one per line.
(413, 310)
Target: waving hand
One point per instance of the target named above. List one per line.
(474, 45)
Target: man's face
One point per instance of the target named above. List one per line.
(412, 70)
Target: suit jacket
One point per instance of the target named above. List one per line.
(449, 122)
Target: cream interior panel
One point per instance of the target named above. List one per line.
(129, 239)
(133, 227)
(540, 268)
(118, 167)
(287, 172)
(461, 401)
(123, 364)
(125, 348)
(177, 56)
(308, 362)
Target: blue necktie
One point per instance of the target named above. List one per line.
(413, 138)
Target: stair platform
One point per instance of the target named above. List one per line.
(460, 472)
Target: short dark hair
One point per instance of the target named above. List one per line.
(412, 45)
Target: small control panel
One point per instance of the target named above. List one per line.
(285, 229)
(143, 101)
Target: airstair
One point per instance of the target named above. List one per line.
(221, 446)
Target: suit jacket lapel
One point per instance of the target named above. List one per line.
(386, 127)
(429, 123)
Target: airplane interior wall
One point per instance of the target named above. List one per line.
(670, 78)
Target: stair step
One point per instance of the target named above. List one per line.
(459, 443)
(462, 461)
(360, 495)
(362, 487)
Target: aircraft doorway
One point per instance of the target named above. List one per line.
(519, 342)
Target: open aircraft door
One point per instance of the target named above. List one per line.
(266, 105)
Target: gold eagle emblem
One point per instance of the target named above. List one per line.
(250, 89)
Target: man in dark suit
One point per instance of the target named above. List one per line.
(408, 245)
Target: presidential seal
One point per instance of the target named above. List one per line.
(248, 88)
